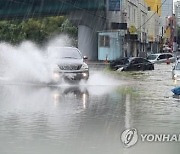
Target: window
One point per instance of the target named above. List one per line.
(135, 61)
(162, 57)
(63, 52)
(140, 60)
(123, 61)
(152, 57)
(169, 56)
(145, 61)
(104, 41)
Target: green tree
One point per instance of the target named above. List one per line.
(37, 30)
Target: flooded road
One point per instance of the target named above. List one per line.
(89, 117)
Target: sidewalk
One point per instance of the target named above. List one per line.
(97, 64)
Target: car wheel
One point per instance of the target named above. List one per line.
(144, 68)
(151, 68)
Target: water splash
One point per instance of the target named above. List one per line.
(27, 62)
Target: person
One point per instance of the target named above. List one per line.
(168, 61)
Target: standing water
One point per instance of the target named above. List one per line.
(85, 118)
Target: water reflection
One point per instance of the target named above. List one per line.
(127, 112)
(72, 93)
(40, 119)
(86, 119)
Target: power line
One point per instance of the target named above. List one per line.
(79, 8)
(152, 15)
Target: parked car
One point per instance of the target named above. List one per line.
(161, 58)
(176, 71)
(118, 63)
(131, 64)
(67, 63)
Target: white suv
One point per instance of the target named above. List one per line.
(161, 58)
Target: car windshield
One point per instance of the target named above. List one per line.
(63, 53)
(152, 57)
(123, 61)
(177, 67)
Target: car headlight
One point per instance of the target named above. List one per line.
(84, 66)
(56, 76)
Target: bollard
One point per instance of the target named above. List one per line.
(106, 61)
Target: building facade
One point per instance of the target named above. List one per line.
(155, 6)
(142, 27)
(177, 12)
(153, 27)
(177, 15)
(137, 22)
(167, 12)
(170, 33)
(131, 37)
(129, 17)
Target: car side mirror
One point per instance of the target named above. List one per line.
(158, 58)
(85, 57)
